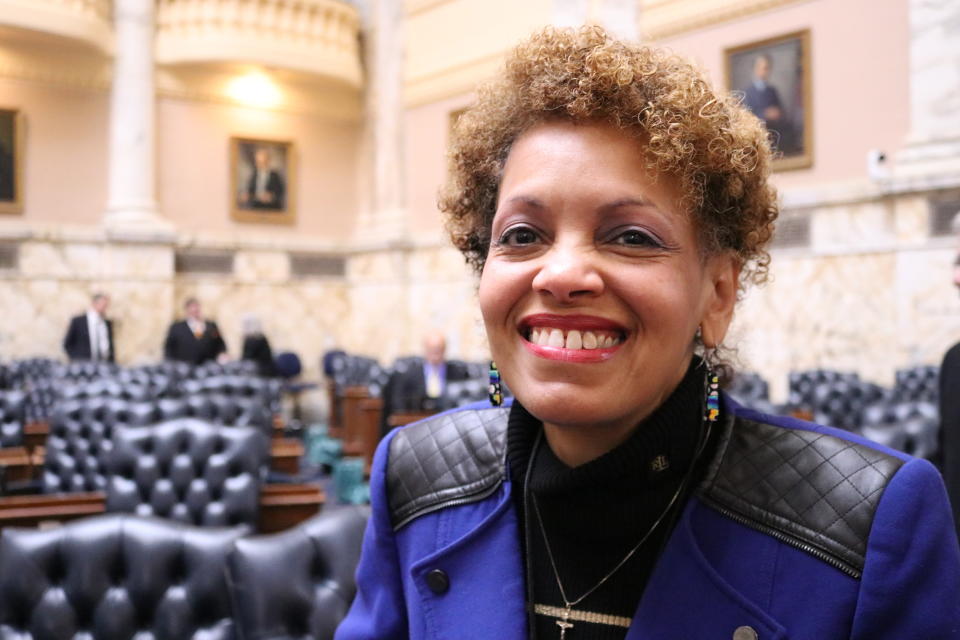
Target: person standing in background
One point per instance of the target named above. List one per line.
(90, 335)
(256, 347)
(949, 394)
(194, 339)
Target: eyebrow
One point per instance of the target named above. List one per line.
(527, 200)
(627, 202)
(616, 204)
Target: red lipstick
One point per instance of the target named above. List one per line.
(570, 323)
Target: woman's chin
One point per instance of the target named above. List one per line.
(568, 406)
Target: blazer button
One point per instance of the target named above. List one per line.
(745, 633)
(439, 582)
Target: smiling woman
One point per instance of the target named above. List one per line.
(614, 206)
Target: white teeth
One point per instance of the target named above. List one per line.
(574, 340)
(535, 336)
(556, 338)
(589, 340)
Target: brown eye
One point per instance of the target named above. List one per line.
(518, 237)
(635, 238)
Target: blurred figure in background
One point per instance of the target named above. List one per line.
(422, 388)
(90, 334)
(256, 347)
(950, 415)
(194, 339)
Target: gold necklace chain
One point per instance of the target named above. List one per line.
(565, 615)
(553, 564)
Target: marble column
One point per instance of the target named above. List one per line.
(131, 192)
(934, 143)
(383, 214)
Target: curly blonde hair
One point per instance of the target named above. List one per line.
(717, 149)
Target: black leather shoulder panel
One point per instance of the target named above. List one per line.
(814, 491)
(456, 457)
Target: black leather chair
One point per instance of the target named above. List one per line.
(116, 577)
(13, 415)
(299, 583)
(80, 441)
(917, 384)
(188, 470)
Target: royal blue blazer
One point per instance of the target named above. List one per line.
(797, 532)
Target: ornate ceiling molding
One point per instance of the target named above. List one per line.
(87, 21)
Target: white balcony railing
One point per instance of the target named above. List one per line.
(89, 21)
(316, 36)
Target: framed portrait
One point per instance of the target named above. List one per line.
(261, 181)
(11, 161)
(772, 77)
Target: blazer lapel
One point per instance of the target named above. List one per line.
(686, 599)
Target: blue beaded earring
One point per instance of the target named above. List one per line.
(712, 410)
(495, 390)
(713, 397)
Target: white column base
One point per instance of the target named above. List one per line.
(137, 224)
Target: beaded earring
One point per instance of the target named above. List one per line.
(495, 390)
(713, 397)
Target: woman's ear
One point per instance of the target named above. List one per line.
(721, 286)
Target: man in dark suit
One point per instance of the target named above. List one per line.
(422, 386)
(90, 335)
(194, 339)
(265, 189)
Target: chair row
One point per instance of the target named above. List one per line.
(119, 576)
(904, 417)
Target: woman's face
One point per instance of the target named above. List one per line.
(594, 285)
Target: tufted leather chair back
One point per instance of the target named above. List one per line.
(910, 426)
(917, 384)
(13, 415)
(188, 470)
(298, 583)
(80, 441)
(116, 577)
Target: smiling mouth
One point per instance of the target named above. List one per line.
(573, 339)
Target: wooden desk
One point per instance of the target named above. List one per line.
(35, 434)
(285, 454)
(21, 463)
(281, 506)
(406, 417)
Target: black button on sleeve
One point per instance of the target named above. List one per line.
(438, 581)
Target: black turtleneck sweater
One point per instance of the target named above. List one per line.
(594, 514)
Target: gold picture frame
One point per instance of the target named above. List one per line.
(773, 77)
(11, 160)
(262, 181)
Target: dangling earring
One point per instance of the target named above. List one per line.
(495, 390)
(712, 411)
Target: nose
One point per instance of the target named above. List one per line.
(568, 274)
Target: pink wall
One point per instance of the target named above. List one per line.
(861, 92)
(426, 131)
(194, 180)
(65, 161)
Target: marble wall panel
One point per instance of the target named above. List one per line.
(836, 312)
(261, 266)
(862, 225)
(912, 223)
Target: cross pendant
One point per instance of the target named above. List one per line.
(565, 623)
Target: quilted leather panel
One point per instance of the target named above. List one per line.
(816, 489)
(457, 456)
